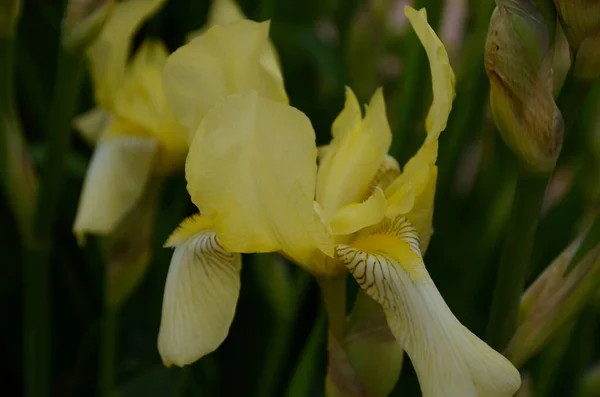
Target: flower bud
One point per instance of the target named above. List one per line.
(369, 360)
(554, 299)
(580, 20)
(9, 15)
(519, 54)
(83, 22)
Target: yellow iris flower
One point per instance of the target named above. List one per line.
(252, 172)
(133, 128)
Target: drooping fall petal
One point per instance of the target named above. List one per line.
(200, 295)
(224, 60)
(353, 157)
(109, 53)
(252, 167)
(117, 176)
(449, 359)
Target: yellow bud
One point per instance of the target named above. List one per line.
(519, 54)
(580, 20)
(9, 15)
(83, 22)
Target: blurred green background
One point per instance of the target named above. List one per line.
(324, 45)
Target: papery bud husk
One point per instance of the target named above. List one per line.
(10, 10)
(83, 22)
(549, 311)
(519, 54)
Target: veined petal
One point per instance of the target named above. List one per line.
(355, 154)
(449, 359)
(92, 124)
(224, 60)
(442, 76)
(353, 217)
(201, 294)
(108, 54)
(116, 178)
(252, 167)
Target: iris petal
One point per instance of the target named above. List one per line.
(200, 295)
(448, 358)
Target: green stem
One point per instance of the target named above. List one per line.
(306, 370)
(551, 359)
(285, 295)
(36, 266)
(334, 300)
(108, 351)
(17, 175)
(516, 255)
(571, 98)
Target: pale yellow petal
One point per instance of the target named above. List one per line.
(109, 53)
(402, 201)
(200, 297)
(223, 61)
(187, 228)
(353, 217)
(354, 156)
(412, 193)
(151, 54)
(141, 106)
(349, 119)
(442, 76)
(116, 179)
(449, 360)
(223, 12)
(252, 167)
(92, 124)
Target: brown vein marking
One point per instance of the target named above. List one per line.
(370, 269)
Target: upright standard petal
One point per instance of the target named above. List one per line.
(108, 54)
(412, 193)
(223, 61)
(142, 108)
(252, 167)
(224, 12)
(201, 293)
(449, 359)
(354, 155)
(116, 178)
(442, 76)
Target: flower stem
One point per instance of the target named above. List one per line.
(306, 370)
(108, 350)
(36, 266)
(515, 258)
(334, 300)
